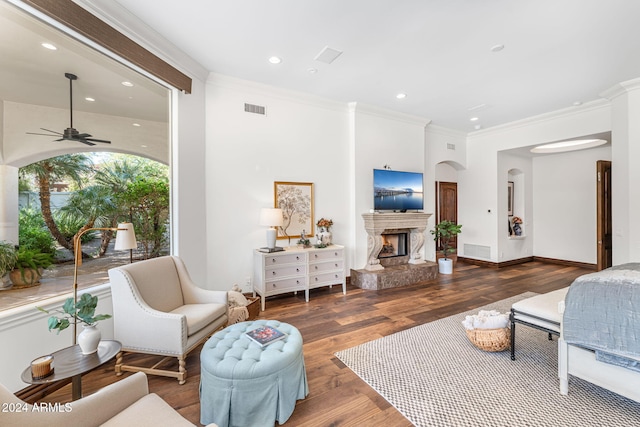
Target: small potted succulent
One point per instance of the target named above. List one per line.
(82, 312)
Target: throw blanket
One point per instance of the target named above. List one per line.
(602, 312)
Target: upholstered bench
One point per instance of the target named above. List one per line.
(540, 312)
(243, 384)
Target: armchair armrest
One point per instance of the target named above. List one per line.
(192, 293)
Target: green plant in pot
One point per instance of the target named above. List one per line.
(28, 267)
(444, 232)
(8, 257)
(83, 312)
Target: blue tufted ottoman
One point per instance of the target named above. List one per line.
(243, 384)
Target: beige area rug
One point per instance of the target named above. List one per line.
(435, 377)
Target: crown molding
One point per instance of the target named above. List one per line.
(620, 89)
(546, 117)
(261, 89)
(444, 131)
(357, 107)
(115, 15)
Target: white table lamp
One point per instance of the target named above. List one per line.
(272, 218)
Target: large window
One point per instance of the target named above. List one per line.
(111, 102)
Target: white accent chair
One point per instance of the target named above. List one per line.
(124, 403)
(158, 310)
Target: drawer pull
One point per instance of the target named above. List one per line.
(316, 267)
(274, 285)
(273, 260)
(336, 253)
(297, 258)
(336, 264)
(298, 270)
(316, 279)
(297, 282)
(316, 255)
(273, 272)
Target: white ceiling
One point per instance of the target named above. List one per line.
(438, 52)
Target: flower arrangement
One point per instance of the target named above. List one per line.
(324, 224)
(516, 220)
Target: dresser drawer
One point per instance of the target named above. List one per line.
(272, 273)
(324, 279)
(283, 259)
(325, 254)
(326, 266)
(278, 286)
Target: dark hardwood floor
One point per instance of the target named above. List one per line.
(332, 321)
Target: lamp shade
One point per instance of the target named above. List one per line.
(125, 237)
(271, 217)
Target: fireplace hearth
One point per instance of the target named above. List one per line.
(387, 266)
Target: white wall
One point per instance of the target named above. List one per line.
(381, 137)
(564, 205)
(300, 139)
(482, 185)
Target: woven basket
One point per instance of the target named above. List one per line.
(490, 339)
(253, 307)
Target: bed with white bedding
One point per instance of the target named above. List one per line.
(600, 331)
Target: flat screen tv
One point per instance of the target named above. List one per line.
(397, 191)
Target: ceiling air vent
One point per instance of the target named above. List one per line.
(256, 109)
(451, 146)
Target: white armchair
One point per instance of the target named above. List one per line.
(124, 403)
(158, 310)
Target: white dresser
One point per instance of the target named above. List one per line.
(297, 269)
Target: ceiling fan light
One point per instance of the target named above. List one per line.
(48, 46)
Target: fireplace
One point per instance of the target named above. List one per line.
(394, 251)
(393, 245)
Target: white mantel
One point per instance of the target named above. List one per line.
(377, 223)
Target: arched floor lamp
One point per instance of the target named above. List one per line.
(125, 240)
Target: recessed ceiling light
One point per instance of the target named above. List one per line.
(401, 95)
(474, 119)
(497, 48)
(143, 146)
(89, 99)
(477, 127)
(127, 84)
(49, 46)
(136, 125)
(312, 70)
(562, 146)
(576, 103)
(275, 60)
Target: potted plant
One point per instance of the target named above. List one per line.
(28, 267)
(82, 312)
(444, 232)
(8, 258)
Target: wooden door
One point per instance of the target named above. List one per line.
(447, 205)
(603, 206)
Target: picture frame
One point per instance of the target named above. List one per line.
(510, 198)
(296, 201)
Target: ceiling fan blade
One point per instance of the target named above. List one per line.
(43, 134)
(84, 141)
(98, 140)
(82, 135)
(52, 131)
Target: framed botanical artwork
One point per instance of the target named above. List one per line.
(296, 201)
(510, 198)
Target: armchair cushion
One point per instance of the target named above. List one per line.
(150, 411)
(200, 315)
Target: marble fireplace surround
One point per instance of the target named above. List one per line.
(377, 223)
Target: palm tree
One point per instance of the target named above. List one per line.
(47, 172)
